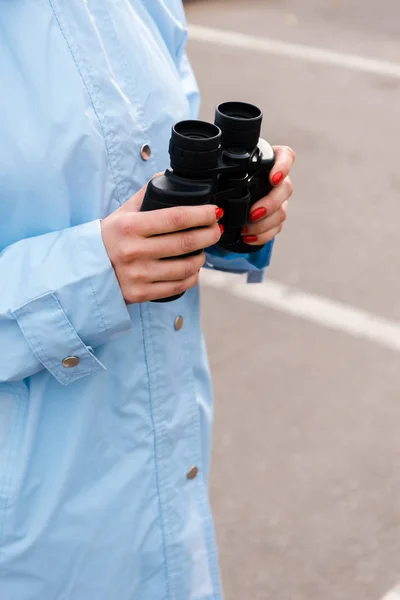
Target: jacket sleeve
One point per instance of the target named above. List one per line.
(59, 297)
(253, 264)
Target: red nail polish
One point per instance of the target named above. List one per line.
(219, 213)
(221, 228)
(245, 230)
(250, 239)
(277, 178)
(257, 214)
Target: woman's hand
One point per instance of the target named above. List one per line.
(136, 241)
(268, 214)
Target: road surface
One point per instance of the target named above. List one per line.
(306, 454)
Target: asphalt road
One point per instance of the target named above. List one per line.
(306, 459)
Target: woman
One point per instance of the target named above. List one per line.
(105, 400)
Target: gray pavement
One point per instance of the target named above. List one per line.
(305, 474)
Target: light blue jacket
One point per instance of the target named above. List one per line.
(104, 409)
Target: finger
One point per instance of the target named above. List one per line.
(264, 238)
(176, 244)
(260, 240)
(165, 289)
(284, 159)
(269, 204)
(176, 269)
(178, 218)
(264, 225)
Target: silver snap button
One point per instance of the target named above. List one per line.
(145, 152)
(192, 473)
(70, 362)
(178, 323)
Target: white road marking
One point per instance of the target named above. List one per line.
(303, 52)
(315, 309)
(393, 594)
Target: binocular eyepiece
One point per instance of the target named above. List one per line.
(225, 163)
(195, 145)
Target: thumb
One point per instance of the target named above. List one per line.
(135, 202)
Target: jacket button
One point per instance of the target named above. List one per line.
(178, 323)
(145, 152)
(192, 473)
(70, 361)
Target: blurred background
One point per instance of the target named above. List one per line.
(306, 450)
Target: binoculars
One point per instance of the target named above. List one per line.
(225, 163)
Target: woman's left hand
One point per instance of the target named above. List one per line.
(268, 214)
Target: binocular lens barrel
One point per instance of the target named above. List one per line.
(240, 124)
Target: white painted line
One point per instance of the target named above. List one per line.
(394, 594)
(315, 309)
(312, 54)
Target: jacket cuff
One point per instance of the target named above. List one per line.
(87, 311)
(253, 264)
(53, 340)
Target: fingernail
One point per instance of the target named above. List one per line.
(245, 230)
(277, 178)
(221, 228)
(219, 213)
(257, 214)
(250, 239)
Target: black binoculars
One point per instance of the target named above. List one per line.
(226, 164)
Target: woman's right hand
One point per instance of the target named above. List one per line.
(136, 241)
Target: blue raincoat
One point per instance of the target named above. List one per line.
(105, 410)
